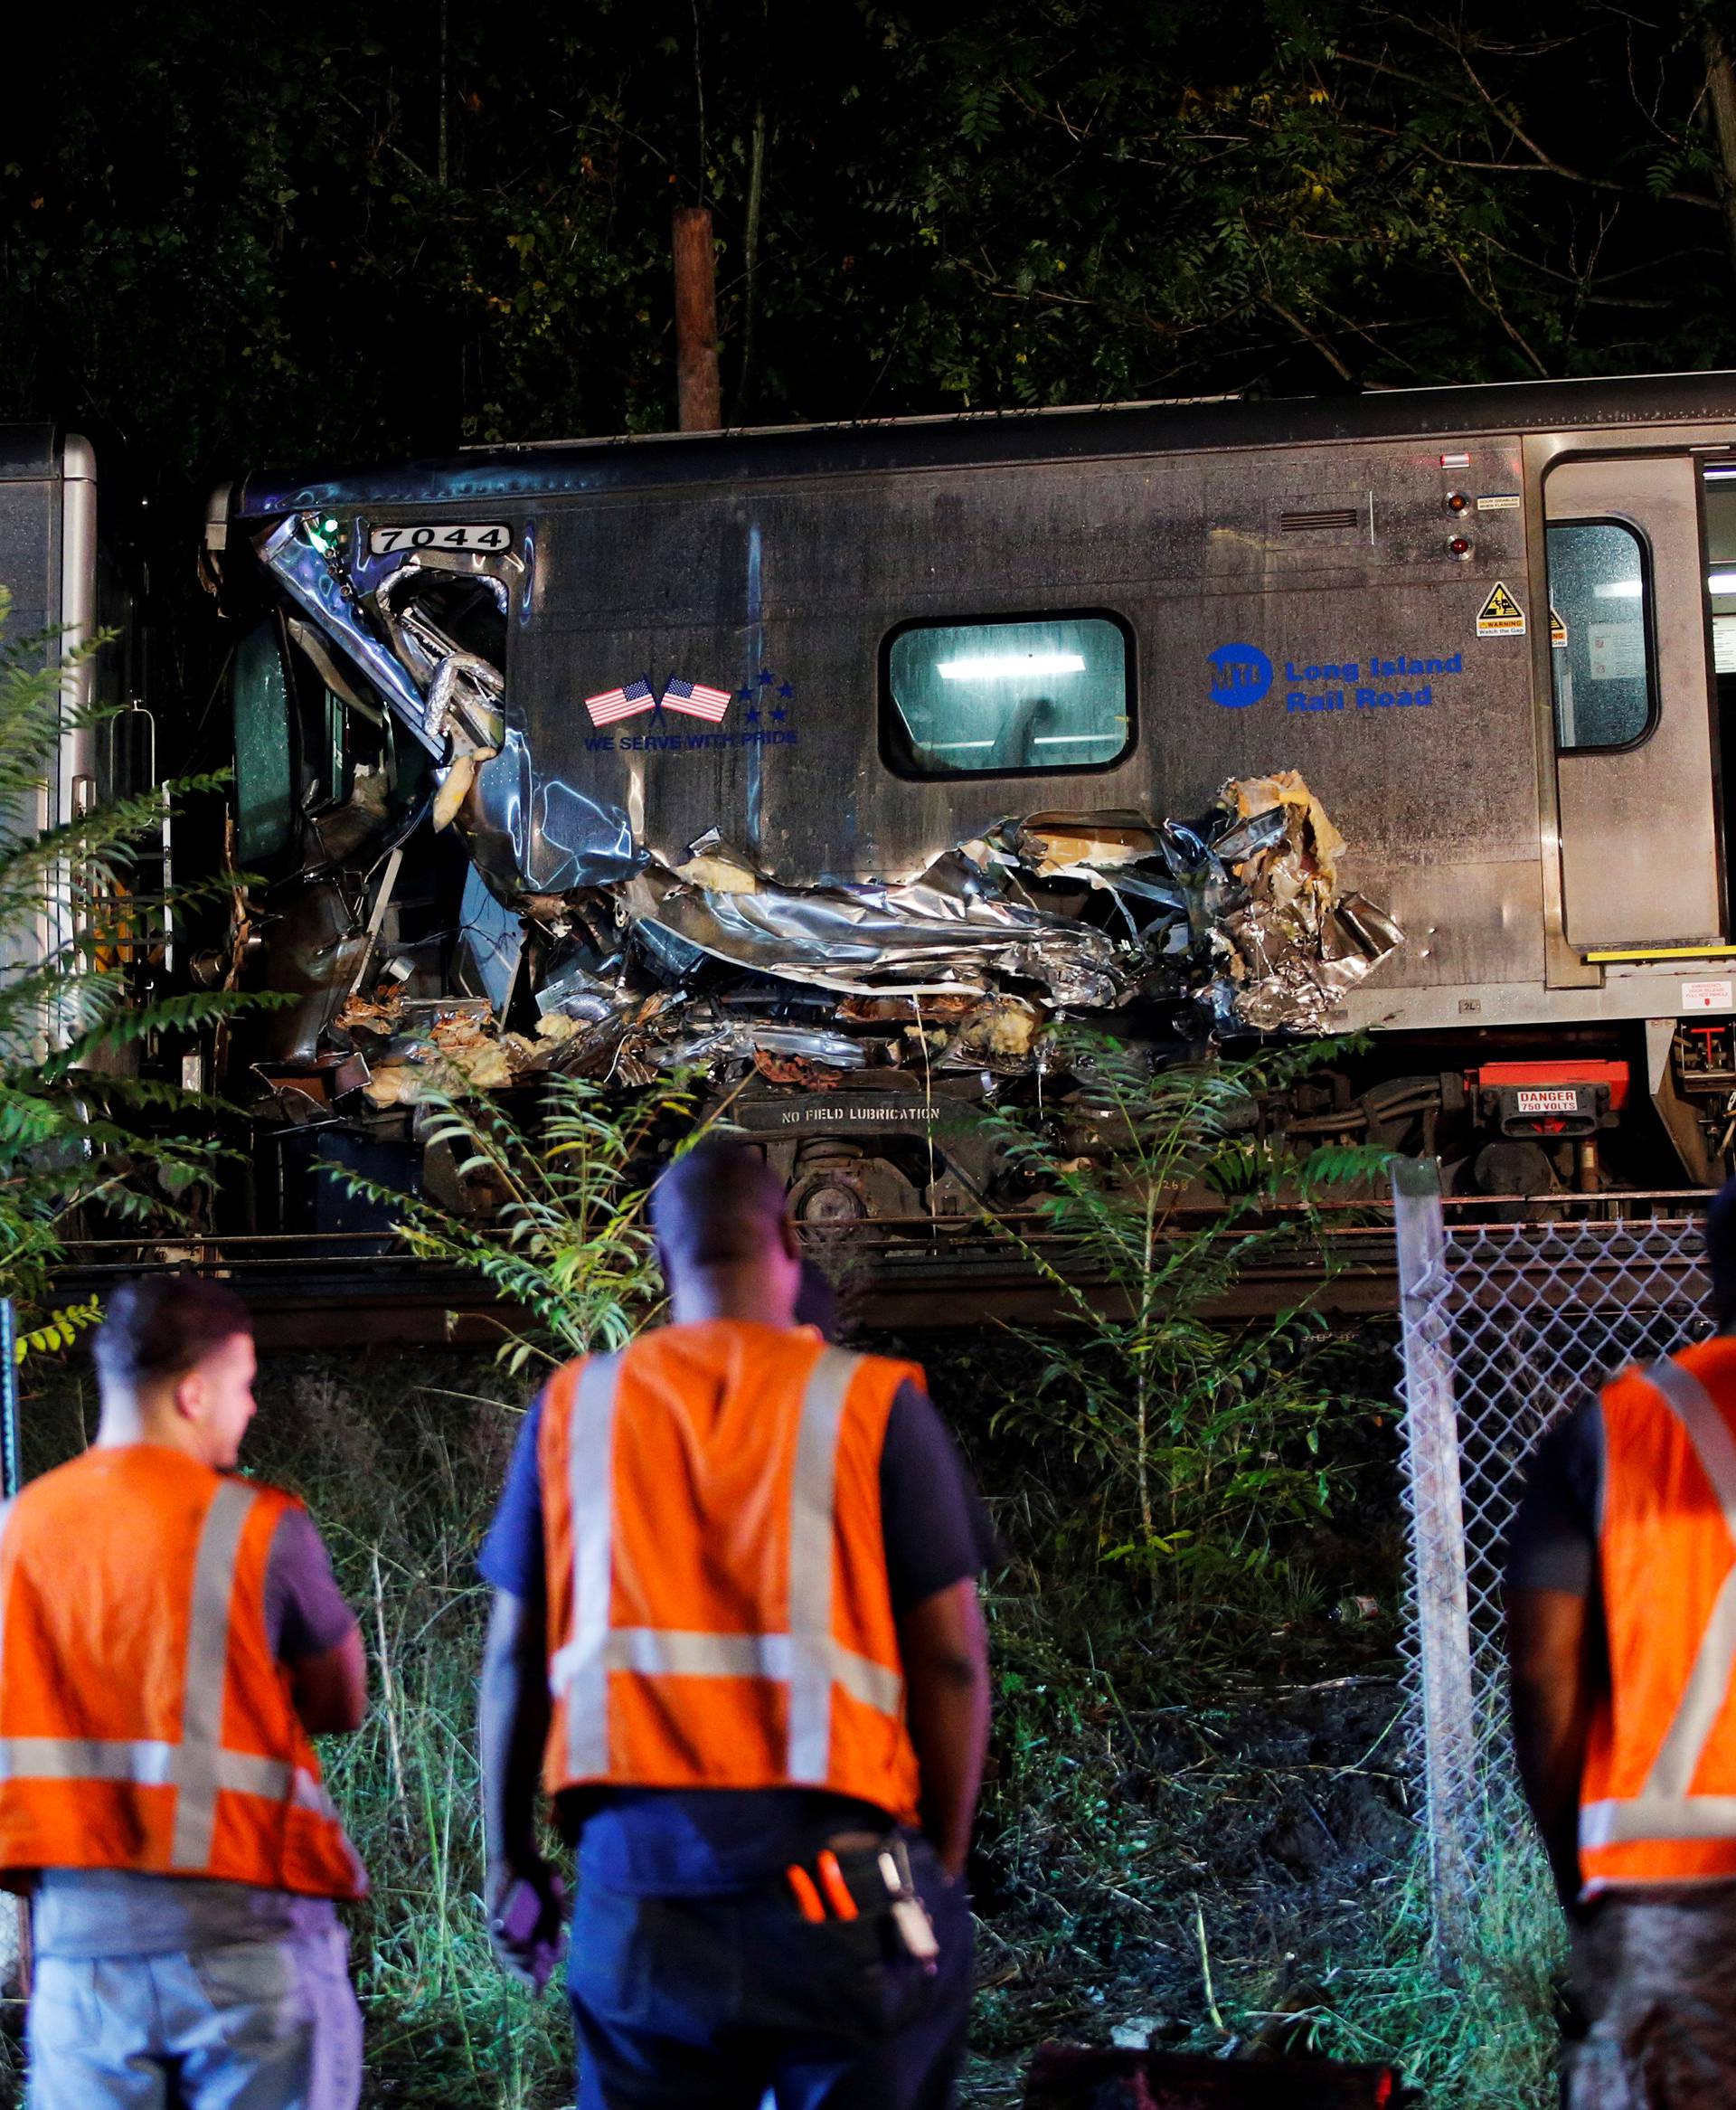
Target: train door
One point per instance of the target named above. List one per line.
(1636, 748)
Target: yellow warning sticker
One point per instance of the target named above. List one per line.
(1557, 631)
(1501, 615)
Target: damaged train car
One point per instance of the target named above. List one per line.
(838, 763)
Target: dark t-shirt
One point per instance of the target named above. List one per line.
(670, 1841)
(1553, 1541)
(304, 1612)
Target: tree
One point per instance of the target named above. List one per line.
(231, 236)
(1200, 1436)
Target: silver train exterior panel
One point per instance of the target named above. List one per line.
(1359, 590)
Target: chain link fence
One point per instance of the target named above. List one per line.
(1505, 1326)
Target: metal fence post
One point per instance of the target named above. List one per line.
(14, 1926)
(11, 1473)
(1438, 1546)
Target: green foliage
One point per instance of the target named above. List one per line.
(78, 1130)
(1071, 201)
(60, 1329)
(567, 1241)
(1201, 1436)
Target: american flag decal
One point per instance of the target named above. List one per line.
(620, 703)
(693, 699)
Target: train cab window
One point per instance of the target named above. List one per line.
(1605, 689)
(997, 698)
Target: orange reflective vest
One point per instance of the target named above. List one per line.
(1659, 1794)
(719, 1612)
(144, 1720)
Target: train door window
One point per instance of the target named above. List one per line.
(1606, 688)
(1032, 694)
(265, 799)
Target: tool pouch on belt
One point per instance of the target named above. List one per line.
(875, 1985)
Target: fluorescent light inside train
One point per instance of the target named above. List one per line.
(1010, 665)
(1720, 582)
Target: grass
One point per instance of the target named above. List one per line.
(1478, 2034)
(1181, 1785)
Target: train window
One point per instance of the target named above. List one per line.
(265, 799)
(1041, 692)
(1600, 604)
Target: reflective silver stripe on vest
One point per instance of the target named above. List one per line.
(148, 1763)
(812, 1538)
(582, 1678)
(659, 1651)
(1665, 1809)
(207, 1675)
(808, 1659)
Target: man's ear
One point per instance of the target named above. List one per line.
(190, 1395)
(788, 1239)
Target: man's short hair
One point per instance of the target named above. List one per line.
(1721, 1253)
(718, 1205)
(162, 1326)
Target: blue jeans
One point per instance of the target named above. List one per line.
(255, 2026)
(711, 2004)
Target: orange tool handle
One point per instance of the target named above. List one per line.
(807, 1896)
(836, 1889)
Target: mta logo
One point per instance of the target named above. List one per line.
(1241, 676)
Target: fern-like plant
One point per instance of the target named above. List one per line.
(1200, 1434)
(565, 1238)
(76, 1131)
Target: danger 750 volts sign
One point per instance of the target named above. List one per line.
(1500, 615)
(1548, 1099)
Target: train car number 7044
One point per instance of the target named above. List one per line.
(392, 542)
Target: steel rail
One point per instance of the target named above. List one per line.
(348, 1290)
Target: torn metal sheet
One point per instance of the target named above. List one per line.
(540, 835)
(528, 833)
(314, 584)
(703, 1039)
(493, 938)
(1300, 946)
(957, 926)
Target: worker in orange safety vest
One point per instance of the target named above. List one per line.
(1621, 1611)
(736, 1632)
(170, 1633)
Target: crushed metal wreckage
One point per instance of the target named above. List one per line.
(1234, 923)
(585, 953)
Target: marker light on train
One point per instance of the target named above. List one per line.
(325, 530)
(1010, 665)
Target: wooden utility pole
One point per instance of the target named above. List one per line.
(697, 393)
(1721, 95)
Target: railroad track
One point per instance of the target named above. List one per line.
(360, 1289)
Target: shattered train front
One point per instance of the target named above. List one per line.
(481, 854)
